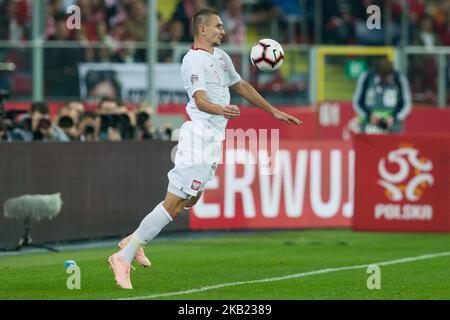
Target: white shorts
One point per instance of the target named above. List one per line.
(196, 160)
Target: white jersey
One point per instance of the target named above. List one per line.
(212, 73)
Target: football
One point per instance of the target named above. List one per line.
(267, 55)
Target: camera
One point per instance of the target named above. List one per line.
(43, 124)
(141, 119)
(382, 123)
(89, 129)
(168, 131)
(65, 122)
(120, 122)
(110, 120)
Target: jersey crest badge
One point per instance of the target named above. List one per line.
(196, 185)
(223, 64)
(194, 78)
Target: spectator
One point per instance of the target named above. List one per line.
(14, 20)
(234, 23)
(382, 99)
(107, 36)
(293, 12)
(93, 13)
(61, 78)
(175, 31)
(175, 34)
(184, 12)
(136, 23)
(263, 15)
(445, 31)
(423, 68)
(36, 126)
(416, 11)
(340, 18)
(144, 125)
(68, 120)
(264, 11)
(426, 36)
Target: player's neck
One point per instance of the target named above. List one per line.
(202, 46)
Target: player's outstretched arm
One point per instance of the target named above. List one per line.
(203, 104)
(246, 90)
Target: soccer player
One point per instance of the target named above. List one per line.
(207, 73)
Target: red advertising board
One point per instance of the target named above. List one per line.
(256, 118)
(311, 187)
(402, 182)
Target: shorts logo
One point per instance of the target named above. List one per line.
(196, 185)
(194, 78)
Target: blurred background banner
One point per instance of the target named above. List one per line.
(312, 189)
(128, 82)
(402, 183)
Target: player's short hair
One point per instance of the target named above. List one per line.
(202, 17)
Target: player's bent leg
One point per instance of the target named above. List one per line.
(174, 204)
(150, 226)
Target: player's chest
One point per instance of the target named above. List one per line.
(216, 72)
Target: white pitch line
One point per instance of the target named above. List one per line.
(291, 276)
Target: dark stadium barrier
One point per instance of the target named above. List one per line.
(106, 187)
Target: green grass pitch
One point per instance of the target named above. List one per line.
(231, 261)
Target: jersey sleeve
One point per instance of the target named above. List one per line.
(232, 73)
(193, 74)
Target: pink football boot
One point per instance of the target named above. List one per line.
(121, 270)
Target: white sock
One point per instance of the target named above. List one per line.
(149, 228)
(130, 249)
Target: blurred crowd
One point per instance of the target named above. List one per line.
(110, 121)
(120, 26)
(115, 21)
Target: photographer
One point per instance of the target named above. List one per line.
(36, 126)
(144, 126)
(382, 99)
(68, 120)
(5, 135)
(165, 132)
(117, 123)
(89, 126)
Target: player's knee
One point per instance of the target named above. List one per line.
(191, 203)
